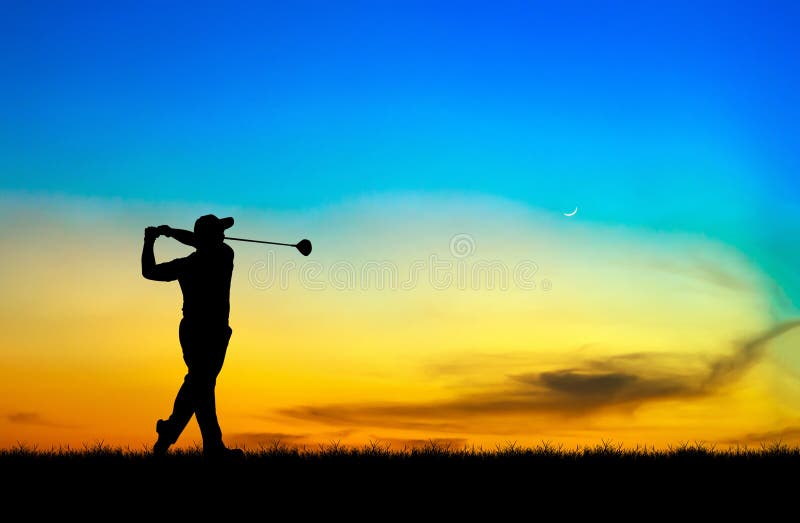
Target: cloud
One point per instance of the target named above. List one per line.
(578, 390)
(728, 368)
(418, 443)
(269, 439)
(423, 417)
(32, 418)
(625, 381)
(718, 273)
(786, 435)
(283, 439)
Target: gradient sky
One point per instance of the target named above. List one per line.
(661, 312)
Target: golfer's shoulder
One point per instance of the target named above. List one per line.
(227, 251)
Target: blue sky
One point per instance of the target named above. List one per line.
(666, 115)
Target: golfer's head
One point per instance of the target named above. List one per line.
(209, 230)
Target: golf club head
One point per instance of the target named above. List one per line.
(304, 246)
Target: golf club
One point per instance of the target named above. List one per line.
(304, 246)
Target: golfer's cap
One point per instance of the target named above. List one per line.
(211, 222)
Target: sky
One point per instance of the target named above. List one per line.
(430, 151)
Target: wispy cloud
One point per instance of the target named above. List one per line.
(786, 435)
(32, 418)
(625, 381)
(268, 439)
(417, 443)
(728, 276)
(729, 368)
(309, 439)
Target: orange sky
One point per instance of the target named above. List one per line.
(629, 335)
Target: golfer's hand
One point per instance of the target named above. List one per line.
(151, 233)
(164, 230)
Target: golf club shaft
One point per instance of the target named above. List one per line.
(260, 241)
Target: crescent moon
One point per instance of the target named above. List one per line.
(571, 213)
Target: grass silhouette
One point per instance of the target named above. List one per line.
(604, 477)
(432, 455)
(606, 450)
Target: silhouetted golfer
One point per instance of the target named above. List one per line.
(205, 279)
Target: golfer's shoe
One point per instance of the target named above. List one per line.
(164, 441)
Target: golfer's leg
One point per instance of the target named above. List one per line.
(206, 412)
(206, 406)
(182, 411)
(183, 408)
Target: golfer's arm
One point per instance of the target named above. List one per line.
(151, 270)
(148, 260)
(183, 236)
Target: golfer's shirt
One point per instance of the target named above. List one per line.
(205, 280)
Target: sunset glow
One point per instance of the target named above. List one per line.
(430, 155)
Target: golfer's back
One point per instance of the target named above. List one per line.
(205, 279)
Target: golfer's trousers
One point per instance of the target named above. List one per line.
(204, 345)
